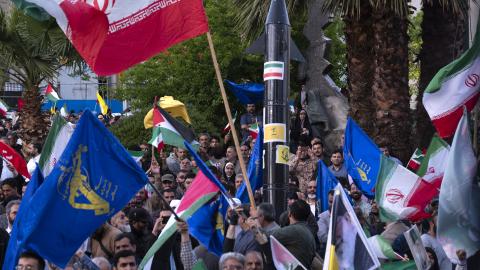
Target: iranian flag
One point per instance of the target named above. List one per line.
(253, 129)
(51, 94)
(11, 156)
(201, 191)
(3, 108)
(273, 70)
(168, 130)
(401, 193)
(227, 128)
(382, 248)
(434, 163)
(454, 86)
(416, 160)
(282, 258)
(57, 139)
(113, 35)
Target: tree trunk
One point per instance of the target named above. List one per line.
(360, 67)
(34, 124)
(444, 39)
(390, 85)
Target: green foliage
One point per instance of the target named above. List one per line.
(186, 72)
(414, 47)
(337, 52)
(123, 130)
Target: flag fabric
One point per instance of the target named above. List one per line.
(273, 70)
(458, 223)
(454, 86)
(113, 35)
(136, 155)
(362, 158)
(57, 139)
(247, 93)
(174, 107)
(200, 192)
(282, 258)
(434, 163)
(401, 193)
(20, 104)
(3, 108)
(399, 265)
(199, 265)
(347, 245)
(94, 178)
(254, 130)
(102, 104)
(63, 110)
(170, 131)
(51, 94)
(206, 225)
(254, 171)
(416, 160)
(326, 181)
(15, 247)
(382, 248)
(157, 138)
(227, 128)
(11, 156)
(32, 10)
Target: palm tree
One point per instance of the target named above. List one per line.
(32, 52)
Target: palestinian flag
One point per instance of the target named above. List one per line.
(167, 130)
(401, 193)
(273, 70)
(227, 128)
(282, 258)
(454, 86)
(201, 192)
(434, 163)
(399, 265)
(416, 160)
(253, 129)
(57, 139)
(347, 245)
(382, 248)
(103, 105)
(51, 94)
(3, 108)
(136, 155)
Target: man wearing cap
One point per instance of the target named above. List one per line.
(139, 219)
(168, 181)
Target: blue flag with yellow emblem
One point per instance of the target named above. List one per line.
(362, 158)
(254, 170)
(94, 178)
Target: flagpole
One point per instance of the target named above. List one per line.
(230, 120)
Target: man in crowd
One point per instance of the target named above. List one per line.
(359, 201)
(11, 214)
(266, 218)
(312, 197)
(318, 153)
(253, 261)
(173, 161)
(139, 219)
(247, 120)
(338, 169)
(303, 166)
(124, 260)
(232, 260)
(124, 241)
(231, 155)
(386, 152)
(30, 260)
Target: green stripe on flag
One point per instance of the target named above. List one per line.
(387, 168)
(273, 66)
(399, 265)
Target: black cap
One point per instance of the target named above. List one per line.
(277, 13)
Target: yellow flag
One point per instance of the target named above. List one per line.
(103, 105)
(174, 107)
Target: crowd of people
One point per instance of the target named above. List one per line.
(124, 240)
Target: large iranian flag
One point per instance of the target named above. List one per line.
(57, 139)
(433, 165)
(401, 193)
(454, 86)
(113, 35)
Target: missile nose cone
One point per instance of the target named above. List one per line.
(277, 13)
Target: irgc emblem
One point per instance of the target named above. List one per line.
(74, 187)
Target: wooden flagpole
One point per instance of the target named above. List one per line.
(230, 120)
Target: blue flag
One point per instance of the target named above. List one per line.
(254, 171)
(15, 247)
(326, 181)
(247, 93)
(362, 158)
(94, 178)
(206, 225)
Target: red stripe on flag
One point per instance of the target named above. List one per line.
(272, 74)
(200, 187)
(446, 124)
